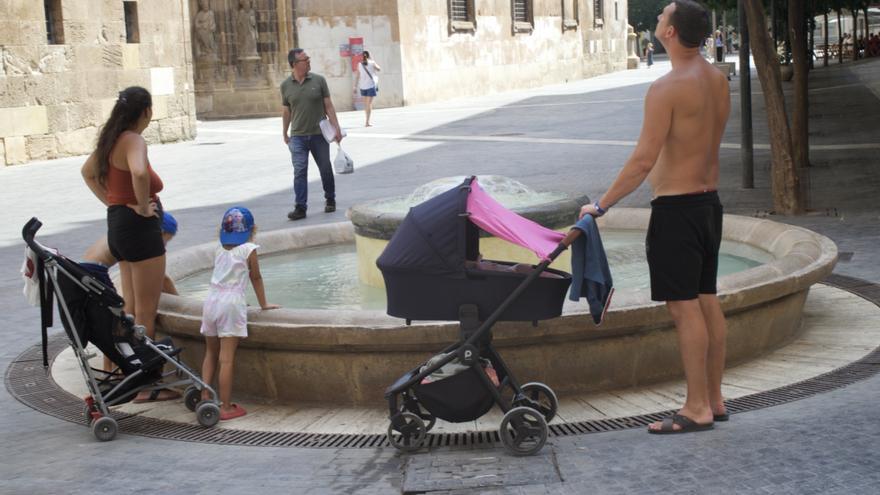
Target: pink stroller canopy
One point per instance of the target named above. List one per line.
(497, 220)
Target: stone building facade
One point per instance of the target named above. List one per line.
(63, 62)
(429, 50)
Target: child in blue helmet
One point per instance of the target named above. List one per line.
(224, 315)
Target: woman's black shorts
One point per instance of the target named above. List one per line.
(682, 244)
(133, 237)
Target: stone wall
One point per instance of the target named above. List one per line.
(54, 97)
(443, 61)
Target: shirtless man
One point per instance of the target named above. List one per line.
(685, 114)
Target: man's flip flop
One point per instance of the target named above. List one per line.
(686, 425)
(720, 417)
(156, 396)
(236, 412)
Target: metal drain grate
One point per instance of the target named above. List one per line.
(32, 385)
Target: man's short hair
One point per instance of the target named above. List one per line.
(292, 54)
(691, 21)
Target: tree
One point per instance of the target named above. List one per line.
(800, 135)
(785, 183)
(643, 13)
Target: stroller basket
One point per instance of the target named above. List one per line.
(458, 398)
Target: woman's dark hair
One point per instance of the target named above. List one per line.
(691, 21)
(366, 55)
(129, 107)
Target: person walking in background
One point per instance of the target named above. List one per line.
(678, 152)
(224, 314)
(649, 54)
(305, 100)
(719, 46)
(368, 83)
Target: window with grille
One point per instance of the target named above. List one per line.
(461, 16)
(132, 32)
(521, 12)
(569, 14)
(598, 13)
(54, 22)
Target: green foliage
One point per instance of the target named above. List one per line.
(643, 13)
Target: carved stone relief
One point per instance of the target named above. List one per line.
(205, 27)
(246, 30)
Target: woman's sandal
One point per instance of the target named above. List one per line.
(236, 412)
(686, 425)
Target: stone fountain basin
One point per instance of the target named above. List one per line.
(350, 357)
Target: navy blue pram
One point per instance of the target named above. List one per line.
(432, 271)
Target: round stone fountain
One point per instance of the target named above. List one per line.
(351, 356)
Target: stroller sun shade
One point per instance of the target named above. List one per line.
(497, 220)
(424, 264)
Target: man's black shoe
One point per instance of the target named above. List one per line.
(297, 214)
(330, 206)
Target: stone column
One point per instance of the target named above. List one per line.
(632, 58)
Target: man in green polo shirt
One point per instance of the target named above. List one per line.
(306, 101)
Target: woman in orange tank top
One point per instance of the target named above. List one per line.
(119, 174)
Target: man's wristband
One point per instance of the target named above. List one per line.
(598, 208)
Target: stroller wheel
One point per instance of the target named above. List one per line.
(431, 422)
(541, 398)
(207, 413)
(191, 397)
(410, 435)
(421, 412)
(523, 431)
(105, 428)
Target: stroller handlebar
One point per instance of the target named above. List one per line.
(564, 243)
(29, 231)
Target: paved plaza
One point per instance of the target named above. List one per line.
(571, 137)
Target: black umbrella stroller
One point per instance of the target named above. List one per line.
(433, 271)
(92, 312)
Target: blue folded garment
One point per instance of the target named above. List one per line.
(590, 276)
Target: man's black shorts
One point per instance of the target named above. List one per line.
(133, 237)
(682, 244)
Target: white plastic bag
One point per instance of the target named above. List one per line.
(328, 131)
(29, 274)
(343, 164)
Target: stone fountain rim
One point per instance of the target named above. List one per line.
(802, 257)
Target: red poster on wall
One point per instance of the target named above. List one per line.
(356, 48)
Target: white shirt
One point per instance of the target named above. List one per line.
(364, 81)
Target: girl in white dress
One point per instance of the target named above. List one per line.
(224, 315)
